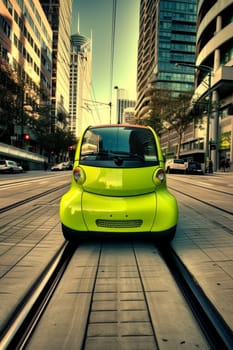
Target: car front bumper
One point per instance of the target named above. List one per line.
(153, 212)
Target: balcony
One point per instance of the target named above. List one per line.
(221, 80)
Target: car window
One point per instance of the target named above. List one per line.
(119, 146)
(179, 161)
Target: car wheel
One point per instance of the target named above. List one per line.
(69, 234)
(165, 239)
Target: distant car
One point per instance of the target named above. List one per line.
(60, 166)
(9, 166)
(194, 167)
(20, 168)
(119, 186)
(175, 166)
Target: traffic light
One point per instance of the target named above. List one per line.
(26, 137)
(212, 146)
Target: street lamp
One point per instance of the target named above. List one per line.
(209, 106)
(117, 105)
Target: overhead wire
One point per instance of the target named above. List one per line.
(112, 47)
(112, 53)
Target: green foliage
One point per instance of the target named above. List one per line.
(38, 120)
(8, 90)
(56, 142)
(172, 111)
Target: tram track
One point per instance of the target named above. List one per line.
(204, 198)
(22, 322)
(32, 198)
(217, 333)
(203, 201)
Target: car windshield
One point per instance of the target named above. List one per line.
(123, 146)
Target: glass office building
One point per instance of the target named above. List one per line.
(167, 35)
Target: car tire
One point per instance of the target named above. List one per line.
(69, 234)
(165, 240)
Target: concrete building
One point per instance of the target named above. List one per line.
(59, 16)
(80, 83)
(214, 50)
(26, 46)
(124, 107)
(129, 114)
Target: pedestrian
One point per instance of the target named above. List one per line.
(223, 164)
(45, 165)
(210, 166)
(227, 164)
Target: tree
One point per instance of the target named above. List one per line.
(175, 111)
(8, 93)
(57, 142)
(179, 116)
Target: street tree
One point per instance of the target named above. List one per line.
(8, 93)
(174, 111)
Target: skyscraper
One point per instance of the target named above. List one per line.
(80, 83)
(167, 34)
(59, 16)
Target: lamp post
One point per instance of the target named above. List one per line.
(209, 106)
(117, 105)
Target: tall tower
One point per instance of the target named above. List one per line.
(167, 34)
(59, 16)
(80, 83)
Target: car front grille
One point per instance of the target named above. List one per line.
(118, 223)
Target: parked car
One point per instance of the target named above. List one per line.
(194, 167)
(61, 166)
(9, 166)
(119, 186)
(175, 166)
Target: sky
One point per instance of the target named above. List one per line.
(95, 16)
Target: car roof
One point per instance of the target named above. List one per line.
(118, 125)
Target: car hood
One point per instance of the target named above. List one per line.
(119, 181)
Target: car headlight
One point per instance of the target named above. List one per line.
(79, 175)
(159, 176)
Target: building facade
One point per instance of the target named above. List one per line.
(59, 16)
(185, 46)
(125, 108)
(167, 34)
(26, 46)
(214, 51)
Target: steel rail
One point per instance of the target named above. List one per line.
(202, 200)
(29, 199)
(21, 325)
(207, 188)
(216, 330)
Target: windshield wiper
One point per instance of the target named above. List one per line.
(104, 154)
(128, 155)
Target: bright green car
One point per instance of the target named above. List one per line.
(119, 186)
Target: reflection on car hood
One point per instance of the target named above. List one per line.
(118, 181)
